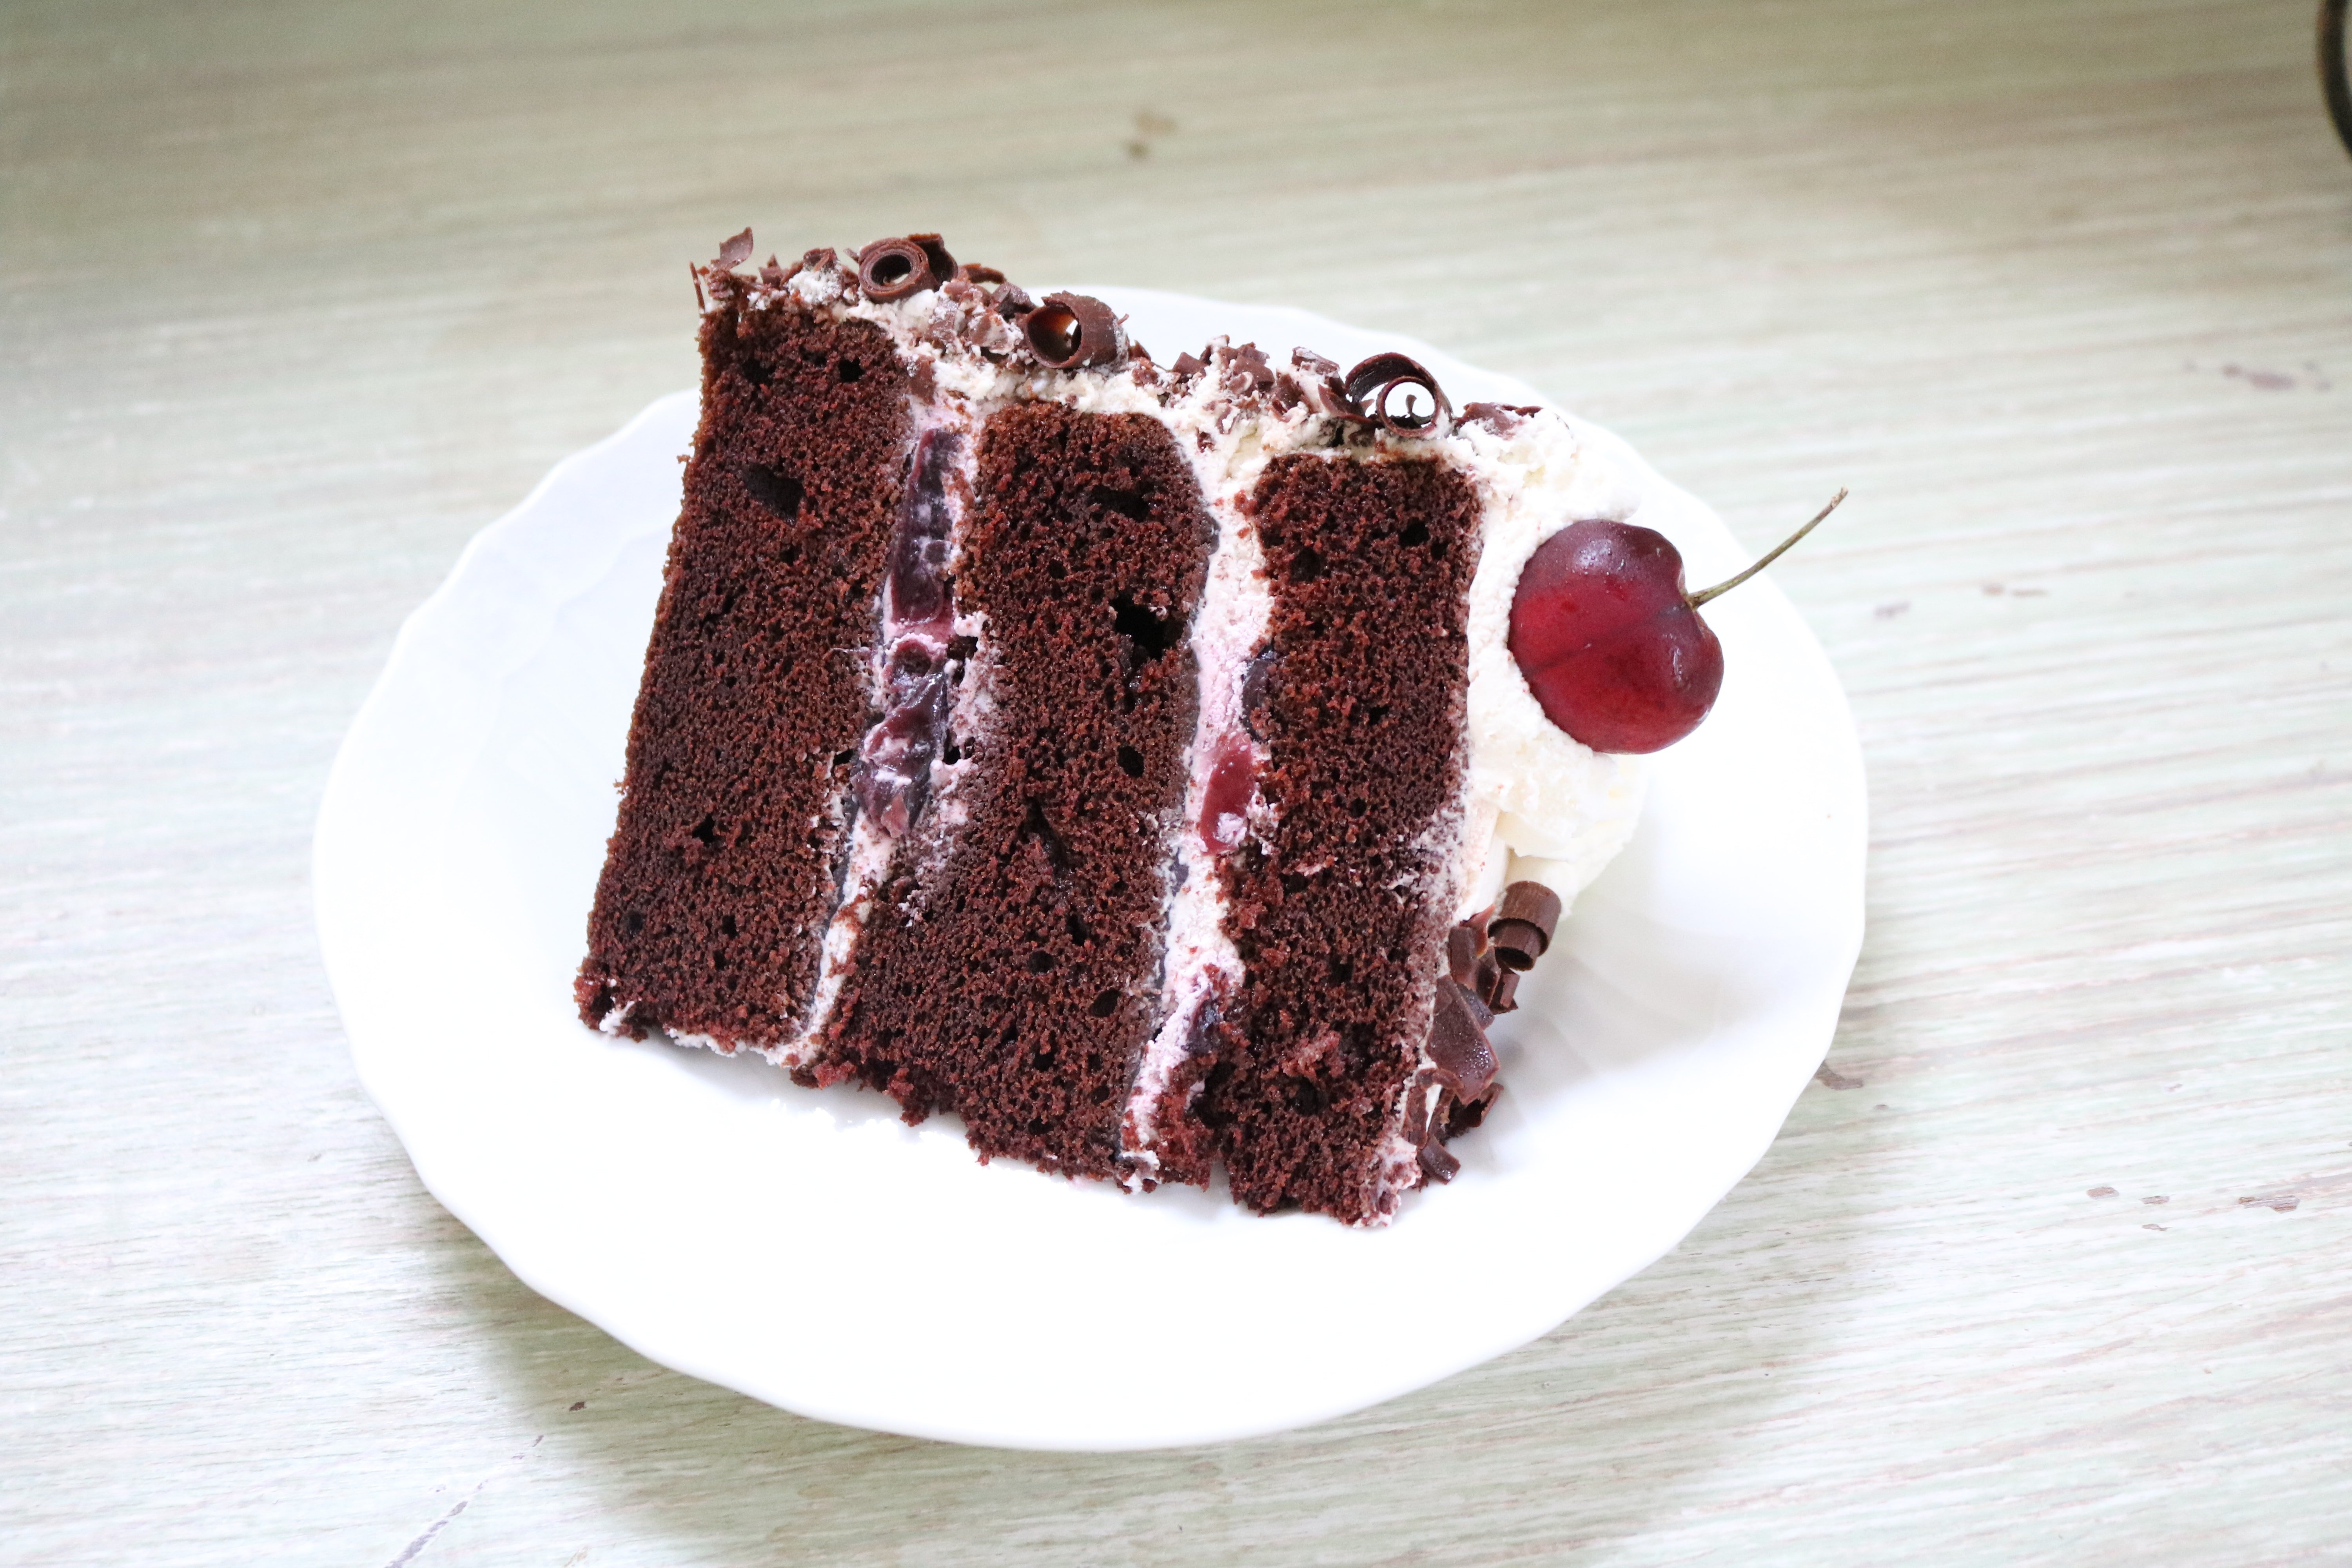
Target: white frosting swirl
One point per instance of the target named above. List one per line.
(1561, 809)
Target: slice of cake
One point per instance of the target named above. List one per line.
(1126, 758)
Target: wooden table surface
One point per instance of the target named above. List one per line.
(2053, 1265)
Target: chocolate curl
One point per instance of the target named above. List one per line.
(1523, 921)
(1067, 331)
(974, 273)
(733, 252)
(943, 266)
(1370, 386)
(1477, 965)
(891, 269)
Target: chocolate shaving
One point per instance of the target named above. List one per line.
(1457, 1039)
(696, 273)
(1522, 925)
(1469, 1113)
(1069, 332)
(1418, 1101)
(1502, 418)
(1313, 363)
(1442, 1167)
(1013, 302)
(771, 274)
(733, 252)
(1489, 979)
(1434, 1114)
(977, 274)
(1504, 993)
(891, 269)
(1371, 385)
(821, 259)
(1474, 965)
(1187, 365)
(1245, 368)
(1463, 945)
(1451, 1095)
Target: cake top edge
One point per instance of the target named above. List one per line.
(977, 309)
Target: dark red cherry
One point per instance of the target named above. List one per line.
(1609, 640)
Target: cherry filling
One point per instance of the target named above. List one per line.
(920, 595)
(894, 765)
(1232, 761)
(1225, 799)
(894, 775)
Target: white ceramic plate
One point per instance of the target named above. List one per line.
(809, 1249)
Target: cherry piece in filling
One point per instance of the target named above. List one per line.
(1224, 803)
(1609, 641)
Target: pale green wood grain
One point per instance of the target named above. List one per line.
(295, 298)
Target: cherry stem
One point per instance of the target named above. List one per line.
(1728, 584)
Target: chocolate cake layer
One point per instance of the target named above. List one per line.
(1342, 903)
(1009, 970)
(722, 873)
